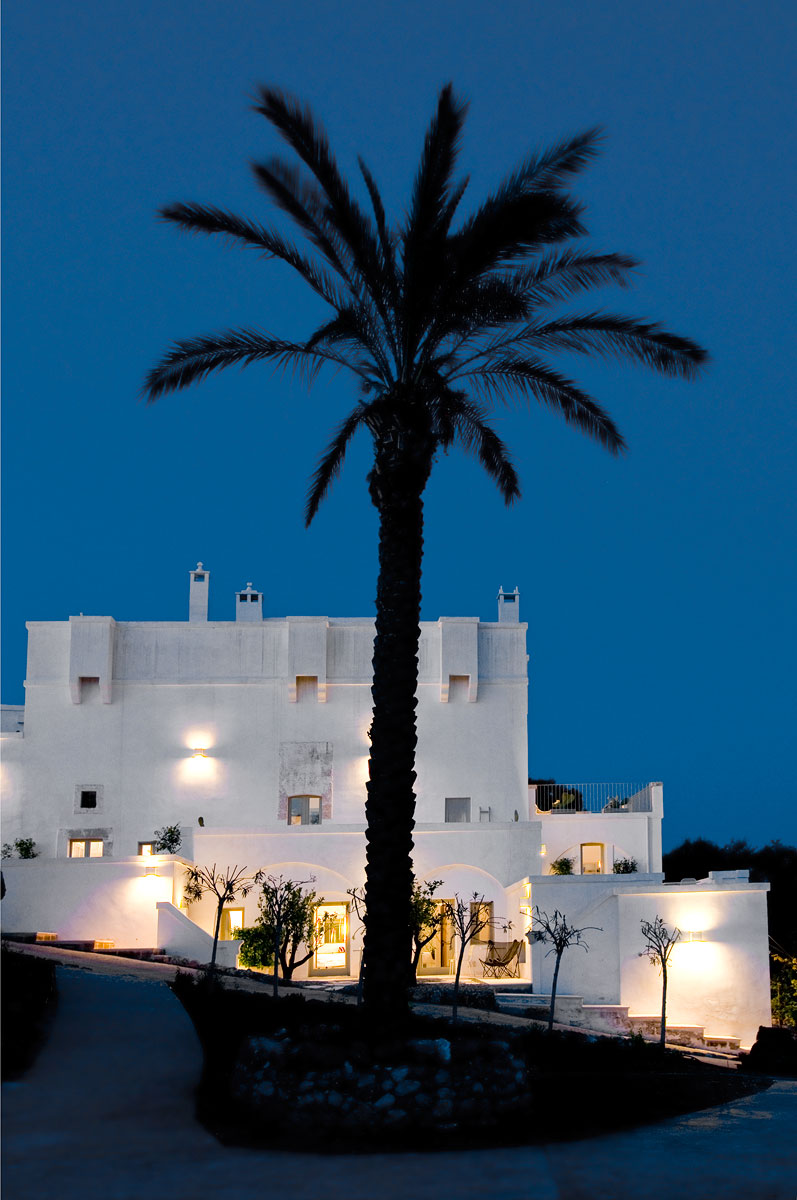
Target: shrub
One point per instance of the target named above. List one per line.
(625, 866)
(24, 847)
(562, 866)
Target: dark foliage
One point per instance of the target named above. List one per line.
(562, 1075)
(29, 997)
(774, 1052)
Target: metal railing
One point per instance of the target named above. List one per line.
(552, 798)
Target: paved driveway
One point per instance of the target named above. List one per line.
(107, 1111)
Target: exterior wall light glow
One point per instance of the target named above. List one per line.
(543, 850)
(693, 935)
(199, 752)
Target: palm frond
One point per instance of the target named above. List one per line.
(331, 462)
(505, 378)
(297, 125)
(473, 431)
(505, 229)
(623, 337)
(558, 276)
(205, 218)
(550, 168)
(353, 328)
(299, 199)
(193, 359)
(430, 193)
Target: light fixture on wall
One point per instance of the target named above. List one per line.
(199, 752)
(692, 935)
(543, 850)
(151, 872)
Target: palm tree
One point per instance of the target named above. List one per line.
(437, 323)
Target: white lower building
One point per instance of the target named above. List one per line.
(252, 737)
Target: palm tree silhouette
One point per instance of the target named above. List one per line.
(438, 324)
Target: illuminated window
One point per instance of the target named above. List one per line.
(592, 858)
(483, 912)
(304, 810)
(85, 847)
(146, 849)
(232, 921)
(457, 809)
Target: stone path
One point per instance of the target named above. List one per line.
(107, 1111)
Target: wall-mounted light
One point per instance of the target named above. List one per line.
(543, 850)
(151, 872)
(692, 935)
(199, 752)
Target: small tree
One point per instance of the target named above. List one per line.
(426, 917)
(168, 840)
(226, 886)
(555, 929)
(287, 912)
(286, 924)
(468, 918)
(658, 948)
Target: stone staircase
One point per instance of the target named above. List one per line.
(610, 1018)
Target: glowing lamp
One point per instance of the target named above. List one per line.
(199, 752)
(693, 935)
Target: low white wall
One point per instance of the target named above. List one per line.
(83, 898)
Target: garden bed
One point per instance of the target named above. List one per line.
(308, 1075)
(29, 1000)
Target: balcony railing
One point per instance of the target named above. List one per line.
(552, 798)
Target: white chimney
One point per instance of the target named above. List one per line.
(198, 593)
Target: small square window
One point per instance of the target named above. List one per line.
(254, 597)
(242, 598)
(199, 579)
(457, 809)
(88, 799)
(304, 810)
(146, 849)
(306, 689)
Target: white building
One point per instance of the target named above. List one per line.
(252, 736)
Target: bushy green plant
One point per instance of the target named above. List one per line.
(168, 840)
(784, 989)
(625, 866)
(24, 848)
(257, 946)
(562, 866)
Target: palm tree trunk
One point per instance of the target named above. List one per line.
(396, 485)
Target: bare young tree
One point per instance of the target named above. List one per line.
(659, 942)
(230, 884)
(555, 929)
(426, 917)
(467, 919)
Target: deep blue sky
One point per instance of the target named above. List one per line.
(659, 589)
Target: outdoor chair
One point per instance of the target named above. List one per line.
(503, 960)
